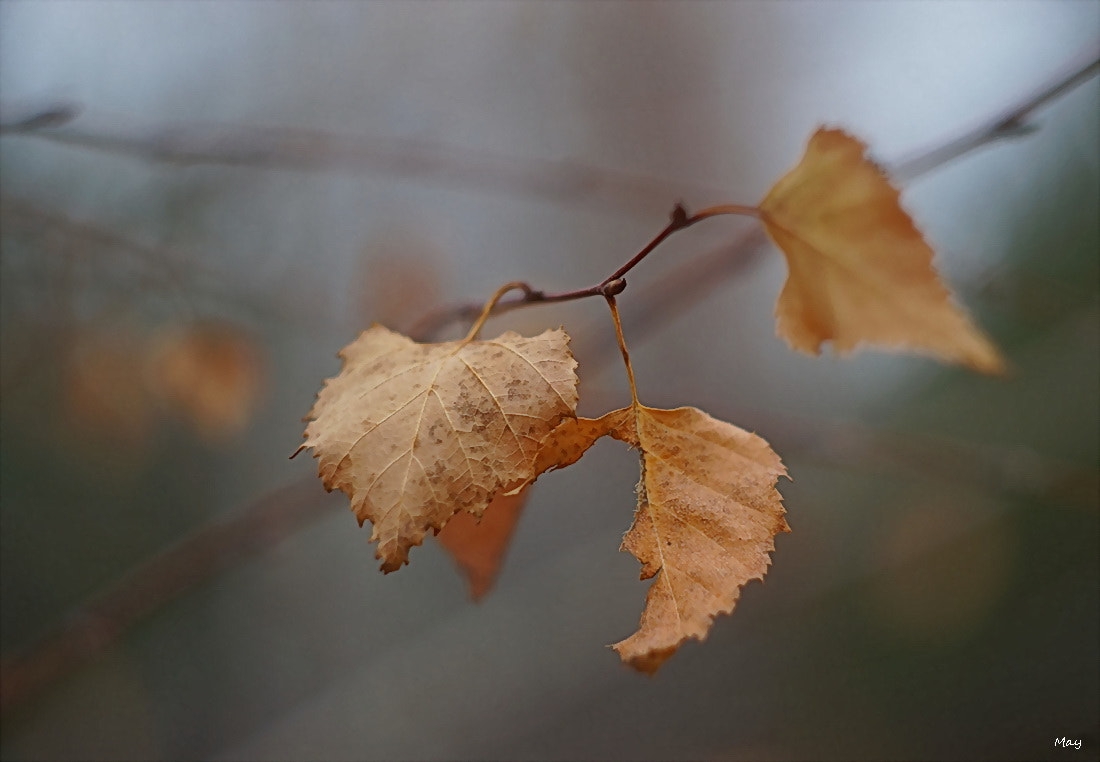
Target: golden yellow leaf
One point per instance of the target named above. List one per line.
(414, 433)
(706, 520)
(860, 271)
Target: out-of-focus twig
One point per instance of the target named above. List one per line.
(178, 274)
(27, 117)
(216, 547)
(561, 181)
(1011, 123)
(198, 557)
(1012, 471)
(23, 216)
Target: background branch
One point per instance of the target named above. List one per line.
(198, 557)
(560, 181)
(1010, 123)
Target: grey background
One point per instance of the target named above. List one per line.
(938, 597)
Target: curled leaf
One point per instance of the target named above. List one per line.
(414, 433)
(860, 271)
(705, 524)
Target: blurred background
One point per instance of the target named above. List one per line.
(203, 202)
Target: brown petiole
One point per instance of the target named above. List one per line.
(614, 307)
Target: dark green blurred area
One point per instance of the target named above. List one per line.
(938, 598)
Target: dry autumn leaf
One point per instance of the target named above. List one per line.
(478, 546)
(414, 433)
(860, 271)
(706, 520)
(705, 524)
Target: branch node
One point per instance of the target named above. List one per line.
(679, 215)
(613, 287)
(1015, 128)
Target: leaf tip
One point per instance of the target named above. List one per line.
(985, 358)
(391, 561)
(647, 662)
(478, 589)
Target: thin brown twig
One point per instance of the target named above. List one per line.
(216, 547)
(560, 181)
(612, 285)
(175, 273)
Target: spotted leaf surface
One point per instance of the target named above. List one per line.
(415, 433)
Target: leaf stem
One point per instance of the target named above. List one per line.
(614, 307)
(715, 211)
(489, 305)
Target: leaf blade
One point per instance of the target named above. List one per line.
(414, 433)
(859, 269)
(705, 523)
